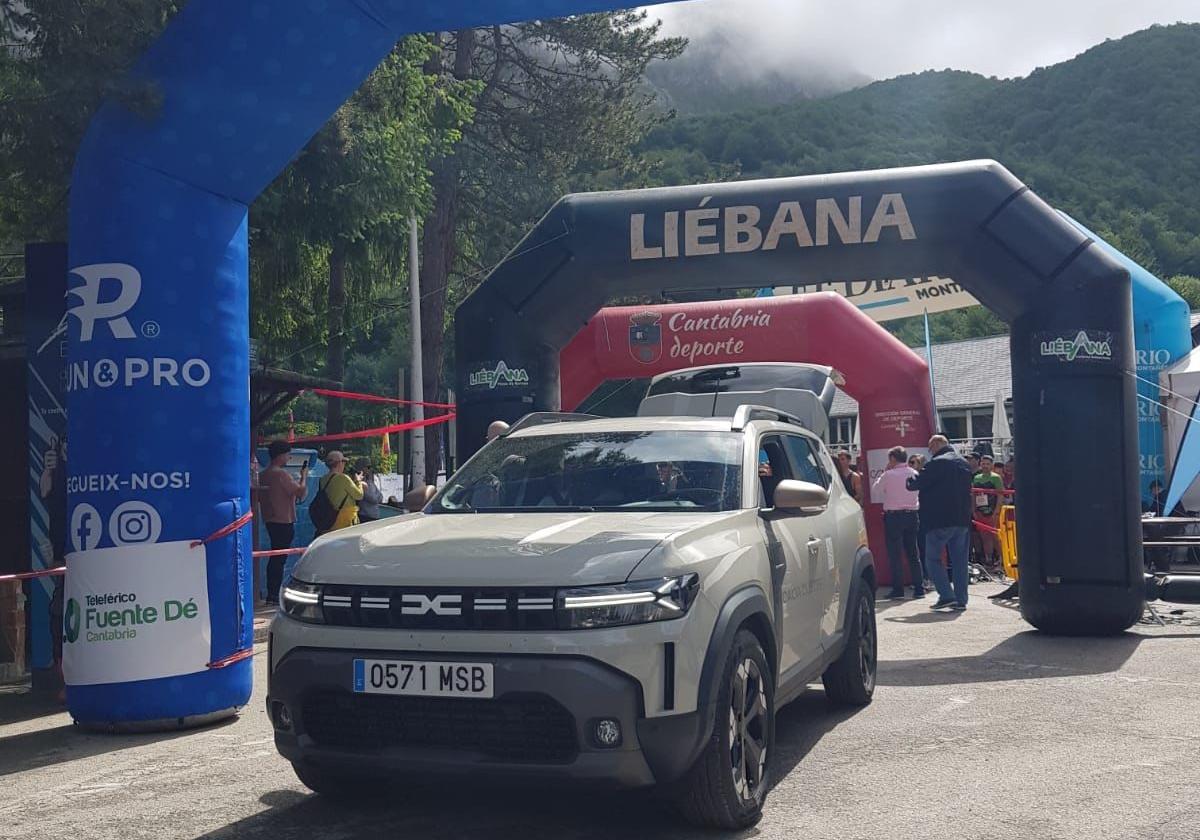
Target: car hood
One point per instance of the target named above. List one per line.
(493, 549)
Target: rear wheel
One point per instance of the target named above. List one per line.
(728, 784)
(850, 681)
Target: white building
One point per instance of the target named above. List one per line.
(967, 376)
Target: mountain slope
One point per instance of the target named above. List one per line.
(1110, 137)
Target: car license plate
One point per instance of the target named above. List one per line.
(423, 679)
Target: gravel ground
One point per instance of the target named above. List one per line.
(981, 728)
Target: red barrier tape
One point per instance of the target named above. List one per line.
(350, 395)
(55, 572)
(984, 527)
(988, 491)
(232, 659)
(382, 430)
(241, 521)
(278, 552)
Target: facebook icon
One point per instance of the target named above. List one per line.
(85, 527)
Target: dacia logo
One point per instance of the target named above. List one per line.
(416, 604)
(71, 617)
(91, 309)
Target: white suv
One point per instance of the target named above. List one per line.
(620, 600)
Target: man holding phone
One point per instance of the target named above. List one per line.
(279, 493)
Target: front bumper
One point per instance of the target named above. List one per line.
(559, 699)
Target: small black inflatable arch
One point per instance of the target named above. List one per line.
(1067, 302)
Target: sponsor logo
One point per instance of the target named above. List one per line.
(155, 372)
(500, 376)
(1084, 346)
(695, 336)
(416, 604)
(134, 522)
(71, 619)
(1153, 358)
(741, 229)
(900, 421)
(99, 310)
(117, 616)
(86, 527)
(91, 310)
(645, 337)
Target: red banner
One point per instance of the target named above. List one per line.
(350, 395)
(382, 430)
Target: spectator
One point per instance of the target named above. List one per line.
(1158, 498)
(945, 497)
(344, 491)
(986, 498)
(900, 521)
(851, 480)
(368, 508)
(278, 494)
(416, 499)
(973, 463)
(495, 429)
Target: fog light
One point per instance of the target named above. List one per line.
(283, 717)
(606, 732)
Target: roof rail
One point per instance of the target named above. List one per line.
(747, 413)
(541, 418)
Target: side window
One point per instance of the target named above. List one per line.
(773, 467)
(805, 461)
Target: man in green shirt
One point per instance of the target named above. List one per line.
(987, 507)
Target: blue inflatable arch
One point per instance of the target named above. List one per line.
(159, 338)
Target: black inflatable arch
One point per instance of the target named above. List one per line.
(1067, 302)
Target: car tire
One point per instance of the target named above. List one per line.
(850, 681)
(332, 784)
(726, 788)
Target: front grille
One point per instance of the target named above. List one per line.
(439, 608)
(515, 728)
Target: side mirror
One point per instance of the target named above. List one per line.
(800, 496)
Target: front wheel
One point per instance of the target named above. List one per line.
(332, 784)
(728, 784)
(850, 681)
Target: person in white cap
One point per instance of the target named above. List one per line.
(344, 491)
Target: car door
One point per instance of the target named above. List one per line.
(805, 455)
(795, 555)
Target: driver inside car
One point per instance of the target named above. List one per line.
(670, 478)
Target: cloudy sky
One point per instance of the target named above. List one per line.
(884, 38)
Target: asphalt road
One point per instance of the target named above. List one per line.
(981, 728)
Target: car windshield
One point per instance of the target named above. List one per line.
(668, 470)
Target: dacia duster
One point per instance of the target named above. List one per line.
(618, 600)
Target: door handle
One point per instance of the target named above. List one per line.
(814, 546)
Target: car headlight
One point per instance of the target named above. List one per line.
(638, 602)
(302, 601)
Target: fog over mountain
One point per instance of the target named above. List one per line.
(752, 52)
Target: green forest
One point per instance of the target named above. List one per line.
(477, 132)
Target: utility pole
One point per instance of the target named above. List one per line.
(418, 385)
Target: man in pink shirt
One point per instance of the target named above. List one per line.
(278, 494)
(900, 521)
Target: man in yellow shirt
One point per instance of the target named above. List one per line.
(343, 490)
